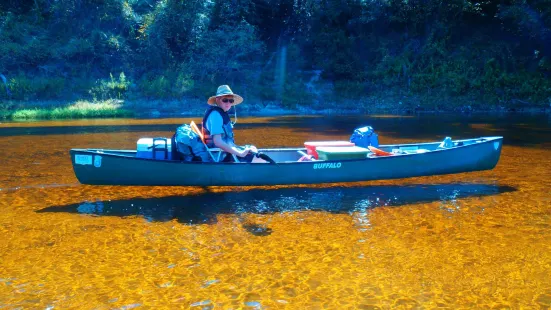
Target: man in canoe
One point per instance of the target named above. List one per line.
(218, 127)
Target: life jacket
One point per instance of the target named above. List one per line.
(226, 125)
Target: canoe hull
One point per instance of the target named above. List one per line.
(103, 167)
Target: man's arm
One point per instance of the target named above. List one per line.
(220, 143)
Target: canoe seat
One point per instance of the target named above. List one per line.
(210, 150)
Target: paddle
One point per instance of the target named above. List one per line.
(379, 152)
(264, 157)
(306, 157)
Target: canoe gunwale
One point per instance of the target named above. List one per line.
(107, 152)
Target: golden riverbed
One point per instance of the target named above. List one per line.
(473, 240)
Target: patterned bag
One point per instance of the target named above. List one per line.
(189, 145)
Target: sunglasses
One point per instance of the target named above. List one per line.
(226, 100)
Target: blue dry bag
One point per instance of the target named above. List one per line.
(364, 137)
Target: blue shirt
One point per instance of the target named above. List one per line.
(215, 125)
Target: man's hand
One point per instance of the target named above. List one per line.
(248, 149)
(244, 152)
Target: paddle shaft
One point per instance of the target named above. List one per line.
(264, 157)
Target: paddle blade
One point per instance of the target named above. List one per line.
(265, 157)
(379, 152)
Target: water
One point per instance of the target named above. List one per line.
(472, 240)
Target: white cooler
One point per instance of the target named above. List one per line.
(158, 148)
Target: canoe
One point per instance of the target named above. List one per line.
(123, 167)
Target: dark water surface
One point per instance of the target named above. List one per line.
(471, 240)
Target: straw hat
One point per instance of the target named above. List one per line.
(225, 90)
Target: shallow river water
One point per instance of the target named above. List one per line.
(470, 240)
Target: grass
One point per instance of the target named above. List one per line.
(78, 109)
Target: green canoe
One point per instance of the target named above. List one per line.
(124, 167)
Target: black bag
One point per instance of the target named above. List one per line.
(364, 137)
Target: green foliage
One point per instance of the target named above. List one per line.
(226, 55)
(266, 93)
(169, 85)
(334, 53)
(350, 89)
(79, 109)
(5, 109)
(496, 52)
(295, 93)
(24, 87)
(111, 88)
(490, 83)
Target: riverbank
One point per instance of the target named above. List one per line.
(381, 103)
(61, 110)
(112, 108)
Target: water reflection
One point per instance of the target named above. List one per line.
(203, 208)
(526, 131)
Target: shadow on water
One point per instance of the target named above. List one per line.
(203, 208)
